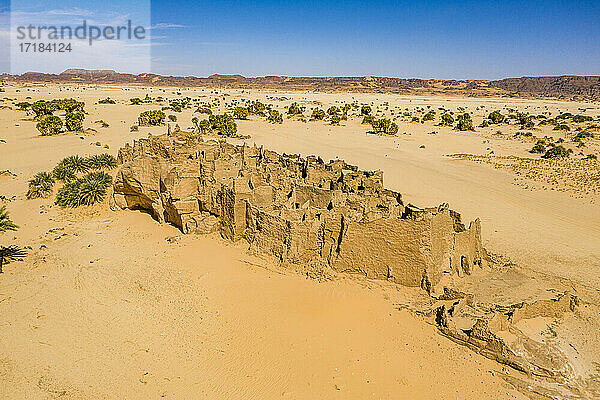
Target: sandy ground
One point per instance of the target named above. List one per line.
(106, 307)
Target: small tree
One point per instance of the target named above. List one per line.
(10, 254)
(74, 121)
(50, 125)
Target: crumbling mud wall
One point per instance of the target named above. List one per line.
(300, 210)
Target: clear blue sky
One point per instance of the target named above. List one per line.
(425, 39)
(422, 39)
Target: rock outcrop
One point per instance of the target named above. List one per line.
(300, 210)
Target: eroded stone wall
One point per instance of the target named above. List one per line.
(300, 210)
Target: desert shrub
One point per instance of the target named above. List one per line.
(484, 124)
(240, 113)
(591, 157)
(496, 117)
(335, 119)
(464, 122)
(557, 152)
(539, 147)
(275, 117)
(561, 127)
(384, 126)
(6, 223)
(365, 110)
(582, 135)
(204, 126)
(581, 118)
(203, 110)
(23, 106)
(107, 100)
(101, 161)
(134, 128)
(525, 120)
(222, 124)
(317, 114)
(42, 108)
(446, 120)
(74, 121)
(333, 110)
(151, 118)
(51, 125)
(294, 109)
(40, 185)
(63, 173)
(368, 119)
(135, 101)
(68, 105)
(257, 108)
(172, 118)
(429, 116)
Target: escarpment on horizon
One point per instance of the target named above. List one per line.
(301, 210)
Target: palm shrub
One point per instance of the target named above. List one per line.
(51, 125)
(40, 185)
(6, 223)
(87, 190)
(76, 163)
(101, 161)
(10, 254)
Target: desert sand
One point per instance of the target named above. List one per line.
(110, 304)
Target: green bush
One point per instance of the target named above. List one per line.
(496, 117)
(317, 114)
(50, 125)
(539, 147)
(429, 116)
(446, 120)
(365, 110)
(240, 113)
(335, 119)
(203, 110)
(294, 109)
(173, 118)
(562, 127)
(42, 108)
(107, 100)
(74, 121)
(464, 123)
(557, 152)
(222, 124)
(151, 118)
(384, 126)
(275, 117)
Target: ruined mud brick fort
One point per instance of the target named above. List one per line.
(300, 210)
